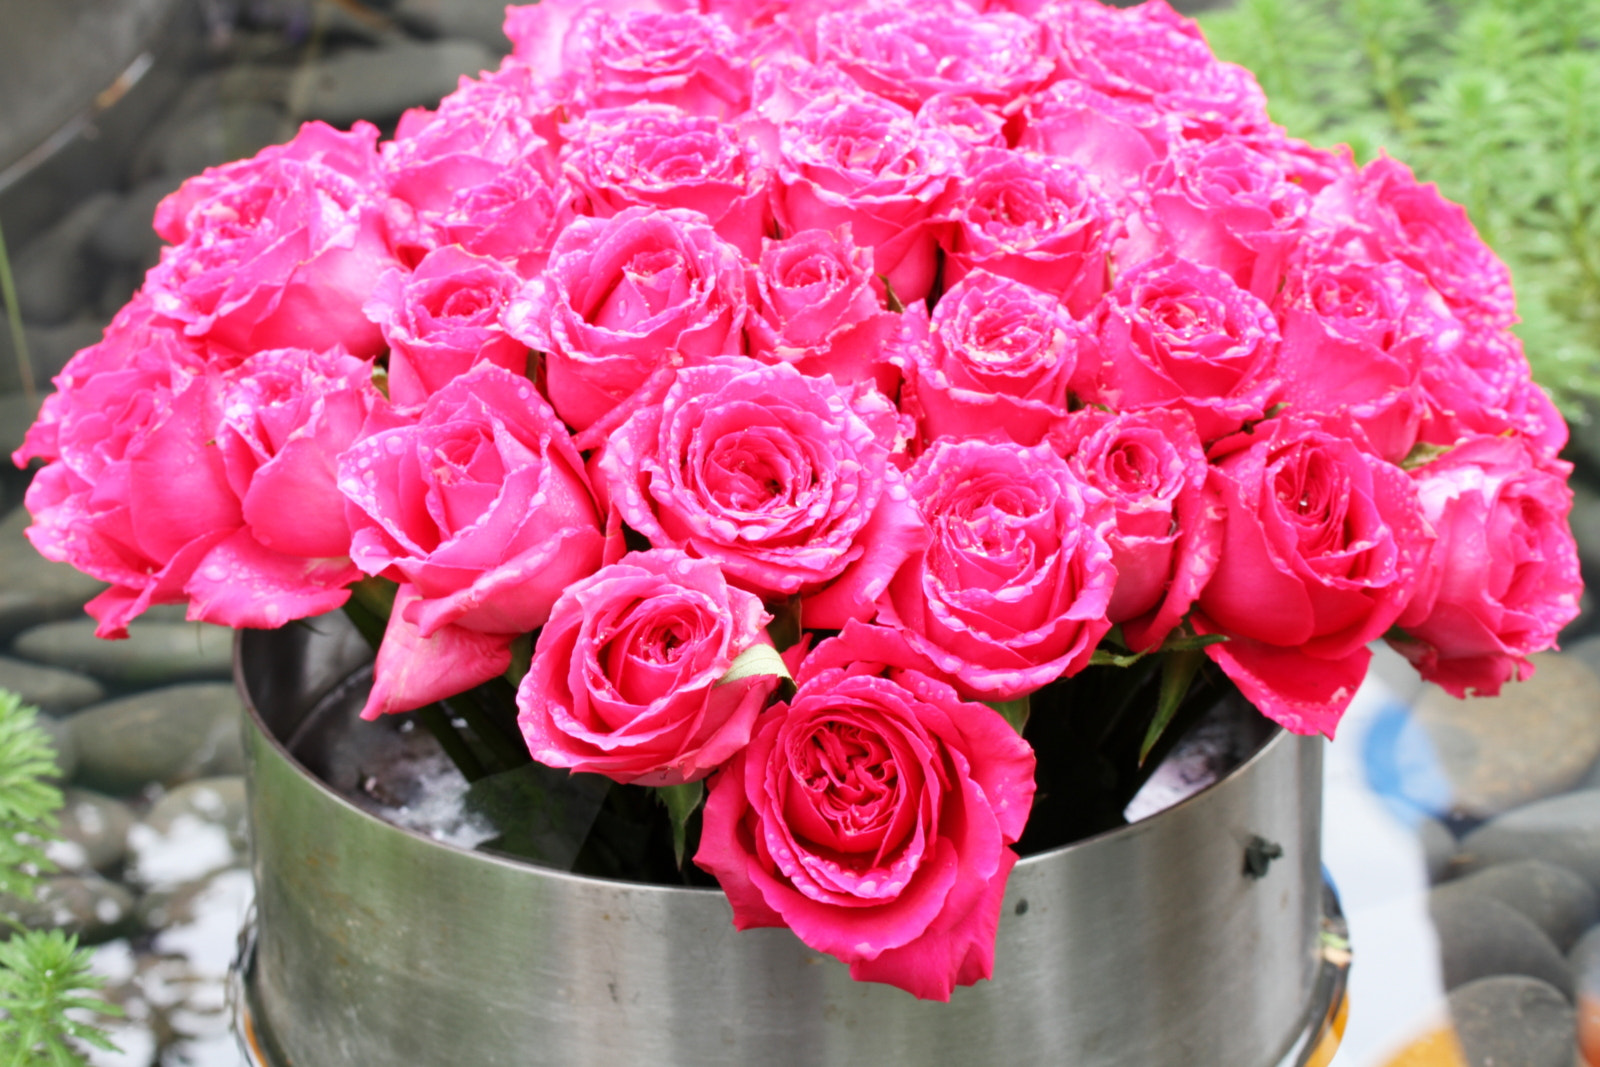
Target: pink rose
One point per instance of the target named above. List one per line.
(499, 121)
(995, 360)
(1482, 385)
(1011, 591)
(1322, 546)
(278, 251)
(1228, 206)
(1176, 334)
(819, 305)
(1113, 138)
(970, 123)
(784, 480)
(909, 54)
(1356, 337)
(481, 505)
(178, 482)
(626, 298)
(872, 815)
(1503, 579)
(516, 217)
(685, 59)
(1151, 53)
(442, 319)
(1411, 222)
(656, 156)
(1039, 220)
(626, 679)
(847, 159)
(537, 30)
(1166, 540)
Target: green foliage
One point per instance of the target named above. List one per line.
(1491, 99)
(43, 973)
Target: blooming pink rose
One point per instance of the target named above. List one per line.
(848, 159)
(1322, 546)
(627, 677)
(1482, 385)
(1176, 334)
(486, 126)
(1411, 222)
(1166, 540)
(1113, 138)
(872, 815)
(1151, 53)
(819, 305)
(685, 59)
(1503, 579)
(516, 217)
(1225, 205)
(1011, 591)
(626, 298)
(443, 319)
(193, 483)
(908, 54)
(278, 251)
(784, 480)
(538, 30)
(1040, 220)
(481, 505)
(657, 156)
(995, 360)
(972, 124)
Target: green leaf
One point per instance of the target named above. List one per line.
(1186, 642)
(753, 661)
(890, 299)
(1014, 712)
(681, 802)
(1177, 672)
(540, 814)
(521, 658)
(43, 975)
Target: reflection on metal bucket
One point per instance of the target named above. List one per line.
(1203, 935)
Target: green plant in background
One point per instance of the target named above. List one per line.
(43, 973)
(1495, 100)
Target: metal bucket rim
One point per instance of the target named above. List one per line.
(1275, 737)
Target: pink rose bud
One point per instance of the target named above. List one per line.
(846, 159)
(442, 319)
(1012, 589)
(658, 156)
(278, 251)
(1174, 334)
(995, 361)
(628, 679)
(784, 480)
(1041, 221)
(1503, 579)
(1322, 546)
(1166, 543)
(626, 298)
(872, 815)
(481, 504)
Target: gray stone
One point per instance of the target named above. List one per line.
(167, 735)
(1559, 902)
(53, 278)
(50, 689)
(126, 235)
(480, 20)
(66, 747)
(189, 835)
(178, 905)
(1564, 830)
(218, 135)
(1536, 738)
(1512, 1021)
(219, 800)
(87, 905)
(49, 349)
(152, 653)
(1438, 848)
(1585, 521)
(33, 590)
(93, 831)
(380, 83)
(1479, 937)
(1584, 960)
(16, 415)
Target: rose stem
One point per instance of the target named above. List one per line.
(19, 337)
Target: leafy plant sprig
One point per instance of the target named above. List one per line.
(43, 973)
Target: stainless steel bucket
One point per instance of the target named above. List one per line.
(1162, 943)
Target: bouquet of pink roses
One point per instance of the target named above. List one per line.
(797, 401)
